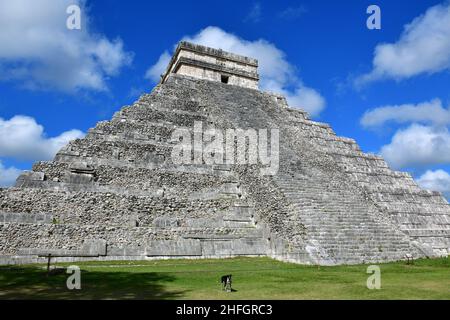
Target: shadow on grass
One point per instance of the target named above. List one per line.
(33, 283)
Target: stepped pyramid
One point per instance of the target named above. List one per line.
(117, 194)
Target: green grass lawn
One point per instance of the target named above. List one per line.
(253, 278)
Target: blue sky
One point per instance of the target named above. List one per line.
(56, 83)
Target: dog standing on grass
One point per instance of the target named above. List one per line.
(226, 283)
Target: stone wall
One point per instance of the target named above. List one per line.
(209, 64)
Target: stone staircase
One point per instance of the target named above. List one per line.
(340, 228)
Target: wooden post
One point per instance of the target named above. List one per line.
(48, 264)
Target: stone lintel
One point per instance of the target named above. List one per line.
(214, 67)
(216, 53)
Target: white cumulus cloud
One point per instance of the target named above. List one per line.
(426, 141)
(423, 48)
(431, 112)
(8, 176)
(292, 13)
(23, 138)
(276, 73)
(154, 72)
(438, 180)
(255, 13)
(418, 145)
(38, 51)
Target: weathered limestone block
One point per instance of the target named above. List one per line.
(9, 217)
(166, 222)
(30, 178)
(90, 248)
(81, 168)
(78, 178)
(235, 247)
(94, 247)
(182, 247)
(231, 188)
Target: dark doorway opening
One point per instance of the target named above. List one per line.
(224, 79)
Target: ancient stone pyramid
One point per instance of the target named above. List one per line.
(117, 194)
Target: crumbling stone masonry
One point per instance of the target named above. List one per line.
(116, 194)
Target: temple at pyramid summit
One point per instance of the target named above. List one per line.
(118, 194)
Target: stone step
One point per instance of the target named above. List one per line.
(341, 223)
(154, 130)
(87, 208)
(159, 113)
(139, 181)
